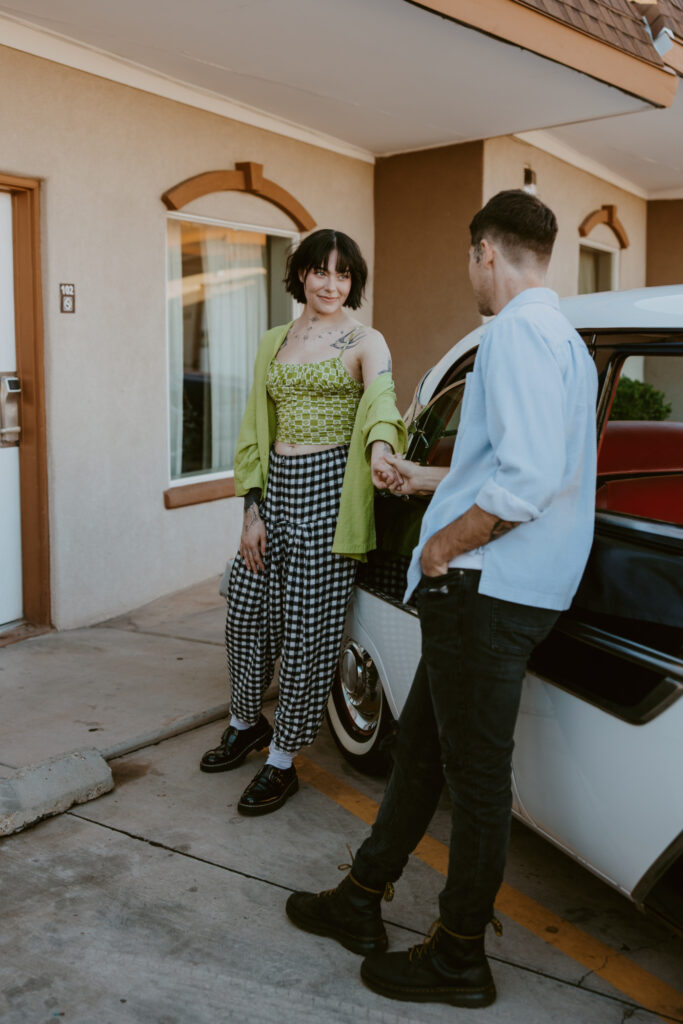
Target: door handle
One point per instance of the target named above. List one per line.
(10, 428)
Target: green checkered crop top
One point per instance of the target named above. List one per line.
(316, 403)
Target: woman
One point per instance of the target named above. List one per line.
(320, 420)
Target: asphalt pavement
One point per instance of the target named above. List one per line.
(158, 904)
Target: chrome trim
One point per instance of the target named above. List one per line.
(385, 597)
(629, 650)
(625, 522)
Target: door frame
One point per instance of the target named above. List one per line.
(28, 306)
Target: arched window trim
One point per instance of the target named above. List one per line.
(247, 177)
(605, 215)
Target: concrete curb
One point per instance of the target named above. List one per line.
(39, 791)
(53, 786)
(186, 724)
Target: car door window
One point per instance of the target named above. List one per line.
(640, 470)
(621, 645)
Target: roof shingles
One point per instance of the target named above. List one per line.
(664, 14)
(612, 21)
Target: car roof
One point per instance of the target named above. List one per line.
(638, 309)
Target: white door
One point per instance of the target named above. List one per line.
(11, 604)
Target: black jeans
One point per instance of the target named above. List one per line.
(457, 726)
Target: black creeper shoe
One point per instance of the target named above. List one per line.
(235, 745)
(270, 788)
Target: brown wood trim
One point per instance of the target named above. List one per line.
(23, 632)
(202, 185)
(248, 177)
(31, 371)
(523, 26)
(605, 215)
(673, 58)
(195, 494)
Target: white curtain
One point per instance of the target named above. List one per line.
(236, 315)
(175, 345)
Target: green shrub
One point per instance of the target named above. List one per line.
(636, 400)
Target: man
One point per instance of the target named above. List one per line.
(502, 549)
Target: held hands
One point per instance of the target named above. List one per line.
(384, 475)
(407, 475)
(413, 478)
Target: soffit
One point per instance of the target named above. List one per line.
(384, 76)
(646, 149)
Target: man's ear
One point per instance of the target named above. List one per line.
(488, 252)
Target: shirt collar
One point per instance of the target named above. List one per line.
(543, 295)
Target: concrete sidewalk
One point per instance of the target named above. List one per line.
(158, 904)
(118, 684)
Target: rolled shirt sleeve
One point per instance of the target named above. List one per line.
(525, 419)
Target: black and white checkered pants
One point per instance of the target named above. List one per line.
(297, 607)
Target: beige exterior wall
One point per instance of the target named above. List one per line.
(423, 301)
(106, 153)
(665, 241)
(572, 194)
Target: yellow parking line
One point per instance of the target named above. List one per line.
(626, 976)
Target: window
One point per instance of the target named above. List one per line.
(224, 290)
(640, 471)
(598, 268)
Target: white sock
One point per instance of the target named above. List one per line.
(237, 723)
(279, 758)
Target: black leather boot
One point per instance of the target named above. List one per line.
(446, 968)
(350, 914)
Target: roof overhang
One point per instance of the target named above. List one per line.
(560, 42)
(365, 79)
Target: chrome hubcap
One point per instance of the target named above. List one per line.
(360, 687)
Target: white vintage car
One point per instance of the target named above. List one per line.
(598, 762)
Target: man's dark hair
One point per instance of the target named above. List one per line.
(314, 253)
(518, 222)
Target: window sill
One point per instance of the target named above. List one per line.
(196, 494)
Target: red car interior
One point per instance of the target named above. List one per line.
(640, 470)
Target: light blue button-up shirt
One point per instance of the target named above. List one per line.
(526, 453)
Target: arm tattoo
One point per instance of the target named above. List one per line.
(387, 368)
(251, 516)
(251, 500)
(499, 528)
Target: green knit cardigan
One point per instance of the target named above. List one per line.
(377, 419)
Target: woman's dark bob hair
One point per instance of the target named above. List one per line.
(314, 253)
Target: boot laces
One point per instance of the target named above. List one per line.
(387, 893)
(430, 942)
(426, 947)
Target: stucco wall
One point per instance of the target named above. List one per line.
(423, 302)
(665, 241)
(106, 153)
(572, 194)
